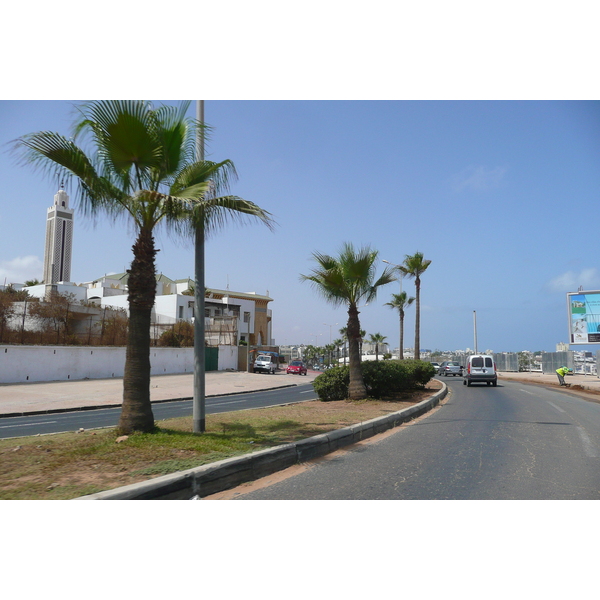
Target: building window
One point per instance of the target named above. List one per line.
(181, 312)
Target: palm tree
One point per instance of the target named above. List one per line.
(400, 302)
(142, 167)
(377, 338)
(414, 266)
(338, 344)
(363, 335)
(348, 280)
(330, 349)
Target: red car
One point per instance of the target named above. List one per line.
(296, 366)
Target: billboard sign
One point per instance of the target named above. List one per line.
(584, 317)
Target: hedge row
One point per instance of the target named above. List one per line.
(383, 379)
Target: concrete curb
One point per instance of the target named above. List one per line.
(226, 474)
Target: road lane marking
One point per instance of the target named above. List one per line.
(228, 402)
(27, 424)
(588, 446)
(558, 408)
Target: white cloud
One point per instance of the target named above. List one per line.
(570, 281)
(20, 269)
(478, 178)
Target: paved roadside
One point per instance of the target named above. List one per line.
(59, 396)
(586, 386)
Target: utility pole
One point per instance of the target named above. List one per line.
(199, 404)
(475, 330)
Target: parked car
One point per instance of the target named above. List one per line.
(296, 367)
(481, 368)
(264, 363)
(450, 367)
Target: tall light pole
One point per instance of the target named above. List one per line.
(199, 403)
(330, 326)
(400, 276)
(475, 330)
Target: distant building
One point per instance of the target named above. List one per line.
(562, 347)
(59, 240)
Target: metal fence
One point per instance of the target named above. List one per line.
(554, 360)
(507, 361)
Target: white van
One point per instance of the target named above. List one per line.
(264, 363)
(480, 367)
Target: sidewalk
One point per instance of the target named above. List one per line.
(59, 396)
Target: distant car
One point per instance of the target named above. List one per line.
(450, 367)
(436, 366)
(296, 367)
(264, 363)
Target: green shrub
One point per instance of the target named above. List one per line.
(383, 379)
(333, 384)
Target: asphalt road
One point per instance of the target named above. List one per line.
(514, 441)
(109, 417)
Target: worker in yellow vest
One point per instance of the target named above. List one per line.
(561, 372)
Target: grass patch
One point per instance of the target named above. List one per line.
(69, 465)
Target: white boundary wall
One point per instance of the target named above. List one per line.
(21, 364)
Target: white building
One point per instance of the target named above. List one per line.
(230, 317)
(59, 240)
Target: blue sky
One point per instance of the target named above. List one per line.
(499, 195)
(468, 132)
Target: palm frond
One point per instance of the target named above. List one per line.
(347, 279)
(63, 160)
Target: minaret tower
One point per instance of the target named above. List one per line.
(59, 240)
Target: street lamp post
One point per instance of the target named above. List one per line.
(330, 326)
(199, 402)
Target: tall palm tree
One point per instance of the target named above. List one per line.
(142, 167)
(401, 302)
(347, 280)
(414, 266)
(377, 338)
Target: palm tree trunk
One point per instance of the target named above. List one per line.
(136, 414)
(417, 318)
(356, 387)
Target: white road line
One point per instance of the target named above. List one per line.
(526, 391)
(589, 448)
(27, 424)
(558, 408)
(228, 402)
